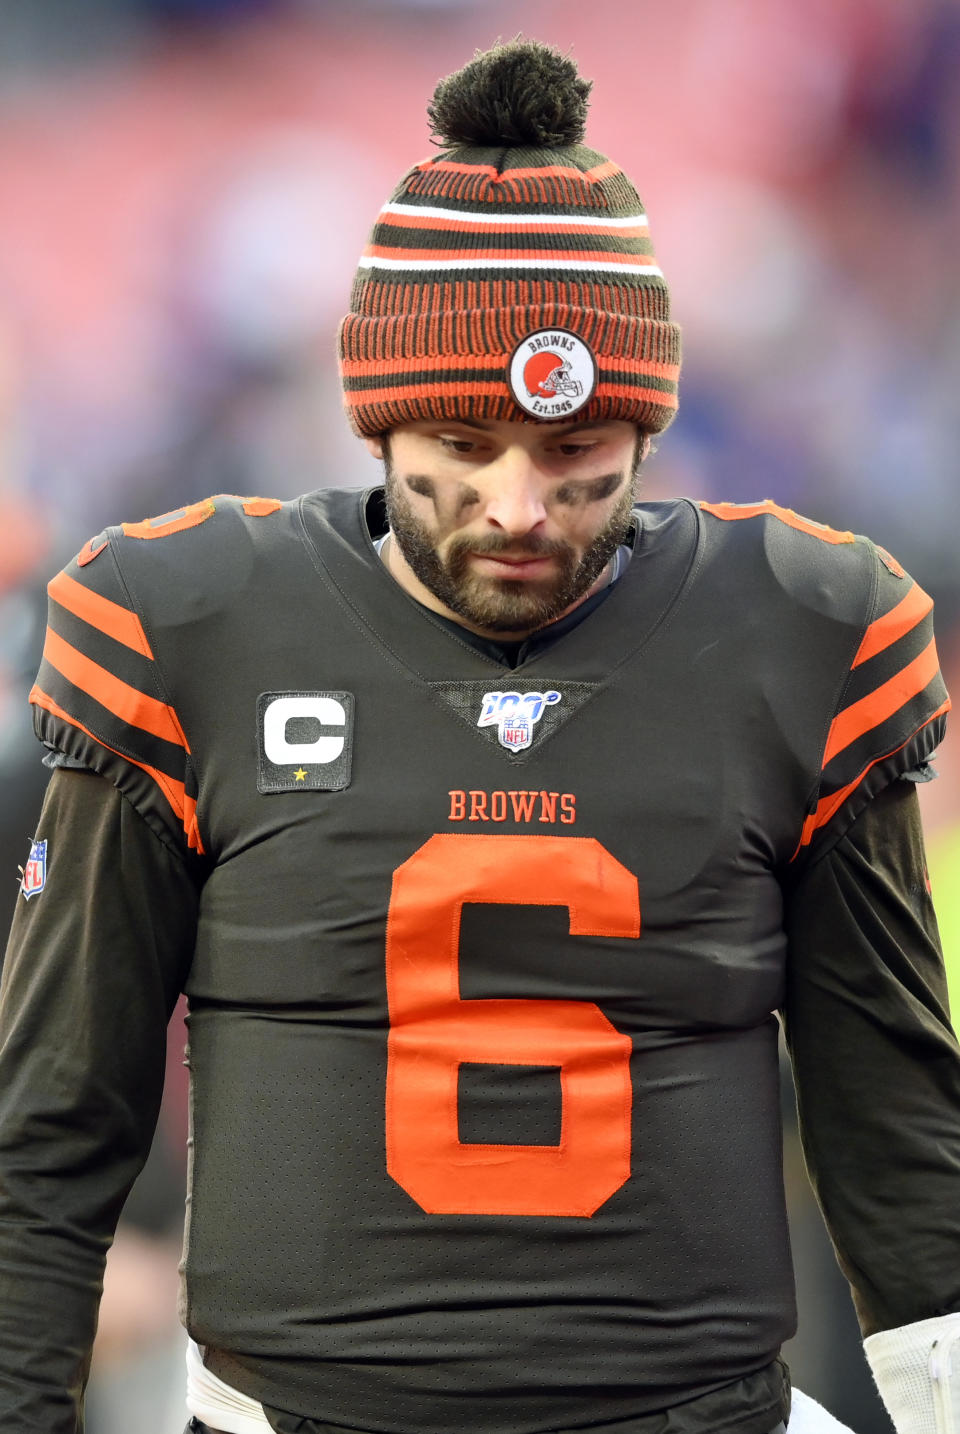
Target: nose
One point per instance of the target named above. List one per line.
(514, 493)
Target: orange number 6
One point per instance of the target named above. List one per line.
(432, 1031)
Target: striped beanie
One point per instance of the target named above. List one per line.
(510, 276)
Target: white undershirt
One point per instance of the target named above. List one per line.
(216, 1404)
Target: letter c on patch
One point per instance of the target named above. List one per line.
(282, 710)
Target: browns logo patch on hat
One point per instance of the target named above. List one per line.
(552, 374)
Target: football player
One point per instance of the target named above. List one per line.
(486, 819)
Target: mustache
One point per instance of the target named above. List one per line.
(496, 545)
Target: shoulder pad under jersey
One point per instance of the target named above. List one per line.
(891, 703)
(101, 696)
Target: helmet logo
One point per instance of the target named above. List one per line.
(552, 374)
(547, 374)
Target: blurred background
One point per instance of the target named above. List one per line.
(185, 187)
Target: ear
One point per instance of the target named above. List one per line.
(375, 447)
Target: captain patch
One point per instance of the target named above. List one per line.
(305, 741)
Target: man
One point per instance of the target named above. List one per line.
(485, 823)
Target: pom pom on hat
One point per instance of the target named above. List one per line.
(521, 93)
(511, 275)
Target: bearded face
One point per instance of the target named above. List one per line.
(505, 526)
(553, 573)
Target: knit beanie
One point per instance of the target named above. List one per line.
(510, 276)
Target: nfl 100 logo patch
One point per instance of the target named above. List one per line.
(515, 714)
(34, 872)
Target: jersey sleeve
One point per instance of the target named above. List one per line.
(876, 1064)
(891, 712)
(100, 699)
(93, 969)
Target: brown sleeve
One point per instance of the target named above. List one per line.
(877, 1065)
(94, 965)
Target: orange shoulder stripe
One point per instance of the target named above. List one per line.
(184, 807)
(126, 702)
(910, 610)
(100, 612)
(176, 522)
(880, 704)
(827, 806)
(730, 511)
(261, 507)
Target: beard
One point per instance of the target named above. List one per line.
(499, 605)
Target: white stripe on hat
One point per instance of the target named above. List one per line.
(368, 262)
(416, 211)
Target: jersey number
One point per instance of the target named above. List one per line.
(432, 1031)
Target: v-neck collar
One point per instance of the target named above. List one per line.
(337, 532)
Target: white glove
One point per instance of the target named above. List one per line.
(917, 1371)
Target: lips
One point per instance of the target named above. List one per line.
(514, 566)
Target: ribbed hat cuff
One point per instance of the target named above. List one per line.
(399, 368)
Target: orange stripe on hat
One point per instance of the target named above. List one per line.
(607, 170)
(629, 390)
(399, 393)
(183, 806)
(507, 256)
(357, 398)
(877, 706)
(109, 617)
(901, 619)
(354, 368)
(126, 702)
(649, 367)
(357, 368)
(828, 806)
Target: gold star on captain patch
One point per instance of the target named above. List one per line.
(299, 774)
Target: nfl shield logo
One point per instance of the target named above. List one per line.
(515, 714)
(515, 732)
(35, 871)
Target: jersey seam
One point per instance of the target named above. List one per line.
(664, 617)
(411, 677)
(164, 842)
(418, 606)
(358, 621)
(881, 765)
